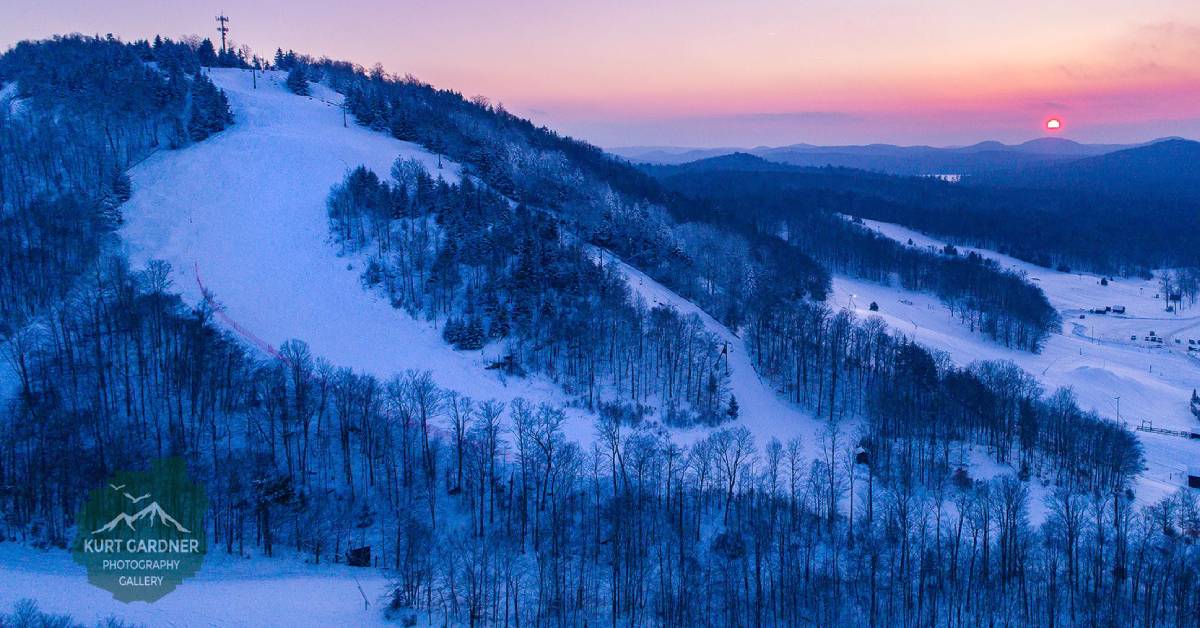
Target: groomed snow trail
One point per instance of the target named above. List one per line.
(762, 410)
(246, 209)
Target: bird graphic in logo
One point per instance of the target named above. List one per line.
(153, 512)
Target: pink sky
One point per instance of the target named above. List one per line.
(708, 73)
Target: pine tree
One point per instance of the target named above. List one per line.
(733, 411)
(198, 123)
(402, 127)
(206, 53)
(210, 111)
(472, 335)
(452, 333)
(297, 81)
(499, 327)
(1195, 404)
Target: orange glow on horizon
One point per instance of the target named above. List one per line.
(707, 73)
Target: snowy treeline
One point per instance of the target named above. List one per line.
(614, 205)
(500, 519)
(600, 199)
(918, 403)
(996, 302)
(83, 110)
(527, 163)
(1180, 287)
(463, 255)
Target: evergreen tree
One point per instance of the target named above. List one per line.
(402, 127)
(297, 81)
(210, 109)
(733, 411)
(472, 336)
(206, 53)
(499, 327)
(452, 333)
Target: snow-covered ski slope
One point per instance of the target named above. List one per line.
(245, 210)
(1094, 356)
(762, 410)
(244, 213)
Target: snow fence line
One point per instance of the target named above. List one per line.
(254, 340)
(246, 334)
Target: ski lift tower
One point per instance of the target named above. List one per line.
(223, 28)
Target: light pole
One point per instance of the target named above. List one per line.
(1118, 398)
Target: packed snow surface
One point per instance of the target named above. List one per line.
(244, 212)
(1095, 356)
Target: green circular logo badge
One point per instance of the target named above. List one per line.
(142, 534)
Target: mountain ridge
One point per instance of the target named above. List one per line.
(980, 158)
(1167, 169)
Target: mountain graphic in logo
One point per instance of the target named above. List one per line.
(152, 512)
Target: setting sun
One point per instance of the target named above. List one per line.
(1053, 124)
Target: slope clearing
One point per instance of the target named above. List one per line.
(244, 212)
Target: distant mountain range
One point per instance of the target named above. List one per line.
(1168, 169)
(982, 158)
(1164, 170)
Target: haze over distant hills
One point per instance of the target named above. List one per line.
(1167, 169)
(983, 157)
(1128, 211)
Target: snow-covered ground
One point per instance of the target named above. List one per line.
(245, 211)
(1094, 356)
(227, 591)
